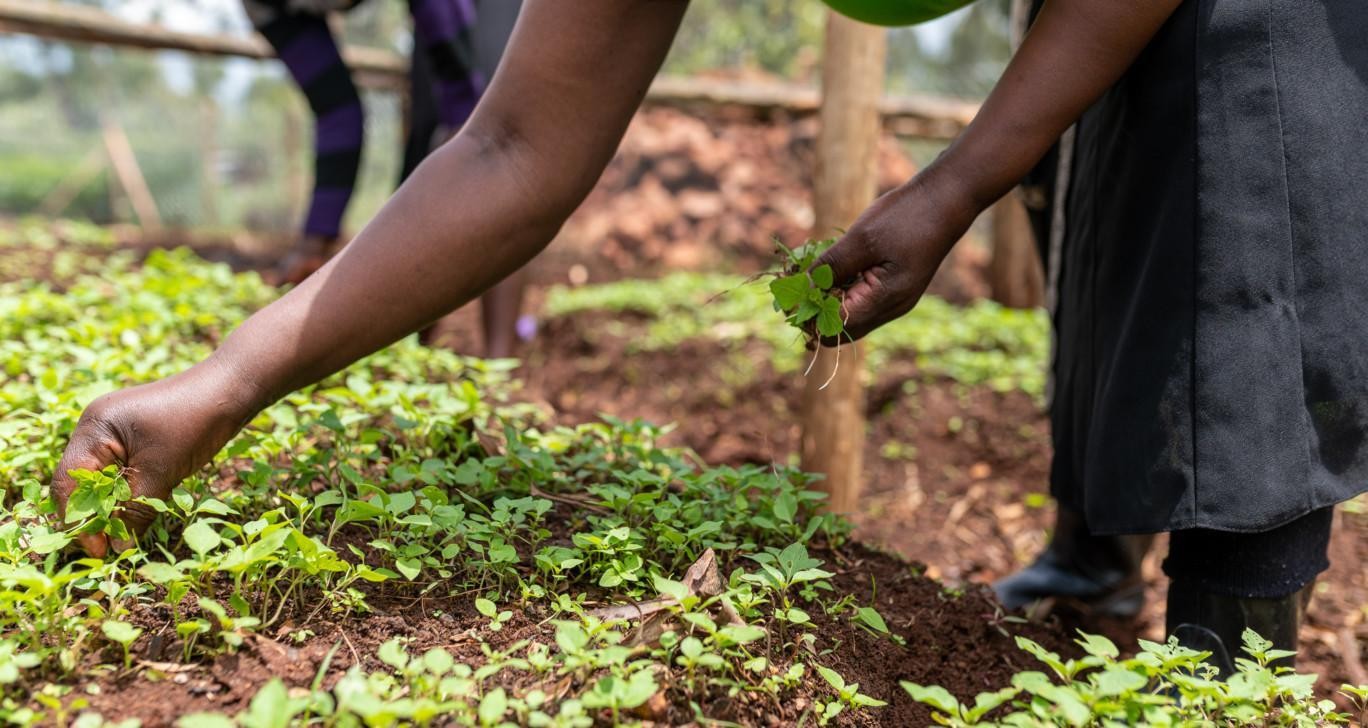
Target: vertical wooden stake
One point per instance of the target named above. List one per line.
(130, 175)
(1015, 274)
(846, 178)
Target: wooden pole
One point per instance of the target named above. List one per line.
(82, 24)
(1015, 275)
(130, 175)
(845, 183)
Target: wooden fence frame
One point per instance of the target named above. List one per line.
(923, 117)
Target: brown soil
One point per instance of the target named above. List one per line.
(955, 479)
(953, 638)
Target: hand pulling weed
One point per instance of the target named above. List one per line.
(807, 296)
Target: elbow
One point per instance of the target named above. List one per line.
(549, 183)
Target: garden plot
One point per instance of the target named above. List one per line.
(407, 543)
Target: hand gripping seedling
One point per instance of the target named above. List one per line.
(809, 298)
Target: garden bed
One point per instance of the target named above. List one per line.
(372, 517)
(382, 627)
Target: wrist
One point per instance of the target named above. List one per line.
(965, 187)
(238, 394)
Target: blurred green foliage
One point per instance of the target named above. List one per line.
(226, 143)
(980, 344)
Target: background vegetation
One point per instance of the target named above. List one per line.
(225, 143)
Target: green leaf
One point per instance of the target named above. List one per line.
(742, 633)
(160, 572)
(270, 708)
(832, 677)
(201, 538)
(822, 277)
(670, 588)
(934, 696)
(786, 507)
(872, 619)
(410, 568)
(121, 632)
(1097, 646)
(790, 291)
(84, 502)
(986, 702)
(1117, 680)
(486, 607)
(392, 653)
(829, 321)
(438, 661)
(43, 541)
(493, 706)
(807, 310)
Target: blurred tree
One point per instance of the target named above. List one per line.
(777, 36)
(781, 37)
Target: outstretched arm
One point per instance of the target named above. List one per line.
(1075, 51)
(475, 211)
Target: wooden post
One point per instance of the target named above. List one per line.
(846, 178)
(130, 175)
(1015, 274)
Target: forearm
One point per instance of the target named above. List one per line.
(1075, 51)
(463, 222)
(480, 207)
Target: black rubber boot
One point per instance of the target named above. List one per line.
(1215, 623)
(1099, 573)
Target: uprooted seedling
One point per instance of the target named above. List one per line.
(808, 297)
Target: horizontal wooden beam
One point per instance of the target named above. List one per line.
(84, 24)
(924, 117)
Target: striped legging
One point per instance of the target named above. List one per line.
(299, 32)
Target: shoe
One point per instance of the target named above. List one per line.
(1099, 573)
(1215, 623)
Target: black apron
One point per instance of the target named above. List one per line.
(1212, 284)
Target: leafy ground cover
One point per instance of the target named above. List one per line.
(980, 344)
(406, 542)
(403, 543)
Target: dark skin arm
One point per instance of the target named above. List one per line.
(1076, 50)
(475, 211)
(496, 195)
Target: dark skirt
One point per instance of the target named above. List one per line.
(1212, 300)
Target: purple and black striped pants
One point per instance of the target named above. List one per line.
(298, 30)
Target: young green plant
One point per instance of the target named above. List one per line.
(807, 295)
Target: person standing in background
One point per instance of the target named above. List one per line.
(457, 45)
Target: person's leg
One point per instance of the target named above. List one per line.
(444, 58)
(306, 46)
(1223, 583)
(442, 30)
(1098, 573)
